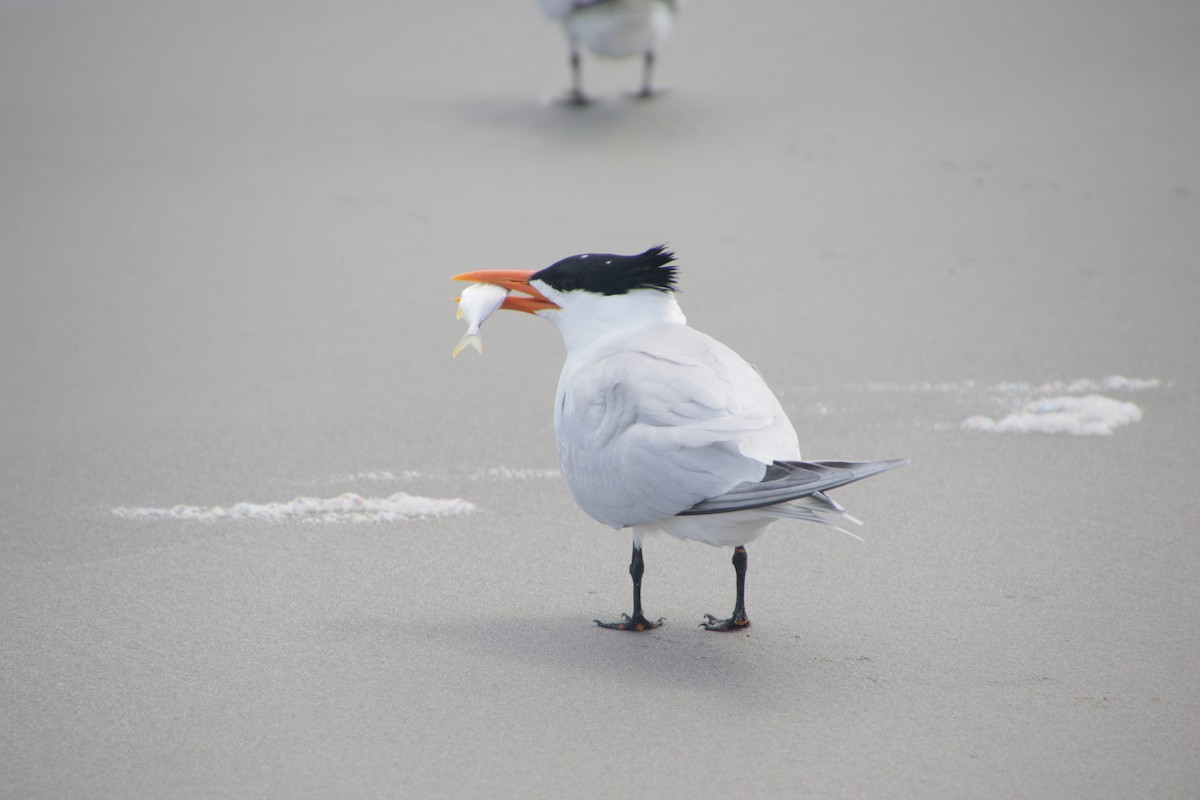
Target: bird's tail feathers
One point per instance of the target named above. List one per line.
(817, 507)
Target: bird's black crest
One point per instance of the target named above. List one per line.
(605, 273)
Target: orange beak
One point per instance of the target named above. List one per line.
(514, 280)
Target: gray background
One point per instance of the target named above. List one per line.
(228, 229)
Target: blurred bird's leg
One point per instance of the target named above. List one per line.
(638, 621)
(576, 97)
(739, 619)
(647, 89)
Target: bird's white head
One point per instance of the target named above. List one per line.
(587, 296)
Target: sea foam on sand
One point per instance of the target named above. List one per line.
(1091, 415)
(348, 507)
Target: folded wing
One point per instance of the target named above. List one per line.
(792, 480)
(650, 431)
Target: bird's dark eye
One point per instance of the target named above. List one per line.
(564, 280)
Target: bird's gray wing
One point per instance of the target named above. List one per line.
(791, 480)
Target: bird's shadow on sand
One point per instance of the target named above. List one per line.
(747, 668)
(612, 118)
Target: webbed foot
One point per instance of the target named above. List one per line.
(739, 621)
(635, 624)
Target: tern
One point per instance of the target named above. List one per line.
(661, 428)
(612, 29)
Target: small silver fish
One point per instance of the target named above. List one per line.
(478, 302)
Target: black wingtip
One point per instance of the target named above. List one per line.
(791, 480)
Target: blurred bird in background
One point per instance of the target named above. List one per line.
(612, 29)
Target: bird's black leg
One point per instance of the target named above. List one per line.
(576, 97)
(739, 619)
(647, 89)
(638, 621)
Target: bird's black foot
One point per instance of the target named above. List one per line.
(646, 93)
(575, 98)
(637, 623)
(739, 621)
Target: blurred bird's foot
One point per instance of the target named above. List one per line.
(647, 93)
(575, 98)
(737, 622)
(637, 623)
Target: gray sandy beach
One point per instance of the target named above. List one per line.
(962, 233)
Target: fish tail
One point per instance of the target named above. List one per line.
(472, 339)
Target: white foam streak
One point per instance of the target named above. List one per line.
(347, 507)
(380, 476)
(1113, 383)
(511, 474)
(1092, 415)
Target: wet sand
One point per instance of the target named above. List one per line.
(228, 233)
